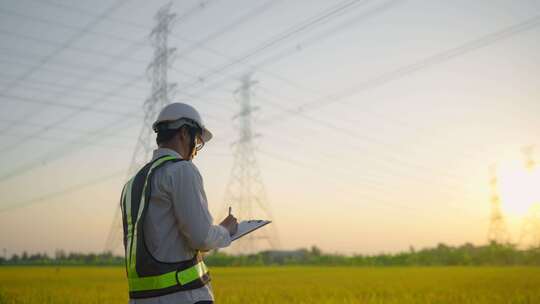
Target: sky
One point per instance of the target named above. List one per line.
(378, 123)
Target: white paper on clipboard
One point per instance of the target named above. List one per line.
(245, 227)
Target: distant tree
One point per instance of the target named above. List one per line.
(59, 254)
(14, 259)
(315, 251)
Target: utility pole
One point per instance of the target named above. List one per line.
(159, 97)
(245, 192)
(497, 227)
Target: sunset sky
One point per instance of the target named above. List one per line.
(378, 125)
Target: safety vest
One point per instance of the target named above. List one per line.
(148, 277)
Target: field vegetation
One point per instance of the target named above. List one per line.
(287, 284)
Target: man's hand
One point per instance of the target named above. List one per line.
(230, 223)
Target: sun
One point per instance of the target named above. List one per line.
(519, 188)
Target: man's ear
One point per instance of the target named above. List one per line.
(183, 134)
(179, 136)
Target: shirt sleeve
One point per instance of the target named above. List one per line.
(191, 210)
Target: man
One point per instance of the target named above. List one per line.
(166, 219)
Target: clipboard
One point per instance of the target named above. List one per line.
(246, 227)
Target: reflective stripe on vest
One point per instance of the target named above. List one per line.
(168, 279)
(182, 275)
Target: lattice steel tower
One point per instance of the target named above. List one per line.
(528, 153)
(497, 226)
(530, 229)
(245, 191)
(160, 95)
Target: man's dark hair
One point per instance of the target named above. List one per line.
(164, 136)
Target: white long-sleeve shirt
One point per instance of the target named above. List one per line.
(178, 223)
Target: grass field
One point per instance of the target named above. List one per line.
(288, 285)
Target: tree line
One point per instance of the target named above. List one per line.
(493, 254)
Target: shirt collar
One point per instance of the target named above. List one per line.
(159, 152)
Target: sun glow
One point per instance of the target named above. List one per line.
(519, 188)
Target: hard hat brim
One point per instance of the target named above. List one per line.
(206, 135)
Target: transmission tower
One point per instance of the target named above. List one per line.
(159, 97)
(530, 229)
(497, 227)
(528, 152)
(245, 192)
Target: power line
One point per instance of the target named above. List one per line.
(334, 181)
(201, 5)
(192, 10)
(378, 9)
(282, 159)
(201, 43)
(390, 158)
(370, 182)
(5, 12)
(37, 19)
(95, 72)
(43, 127)
(63, 46)
(49, 139)
(224, 29)
(47, 197)
(371, 179)
(62, 71)
(59, 193)
(337, 181)
(42, 20)
(86, 107)
(83, 108)
(414, 67)
(362, 17)
(299, 111)
(295, 112)
(46, 127)
(53, 87)
(324, 16)
(72, 39)
(92, 13)
(321, 36)
(72, 48)
(72, 146)
(387, 160)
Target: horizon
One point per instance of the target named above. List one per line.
(411, 249)
(378, 127)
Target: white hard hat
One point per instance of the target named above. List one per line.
(178, 114)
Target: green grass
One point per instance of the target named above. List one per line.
(289, 285)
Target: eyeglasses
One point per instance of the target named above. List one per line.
(199, 142)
